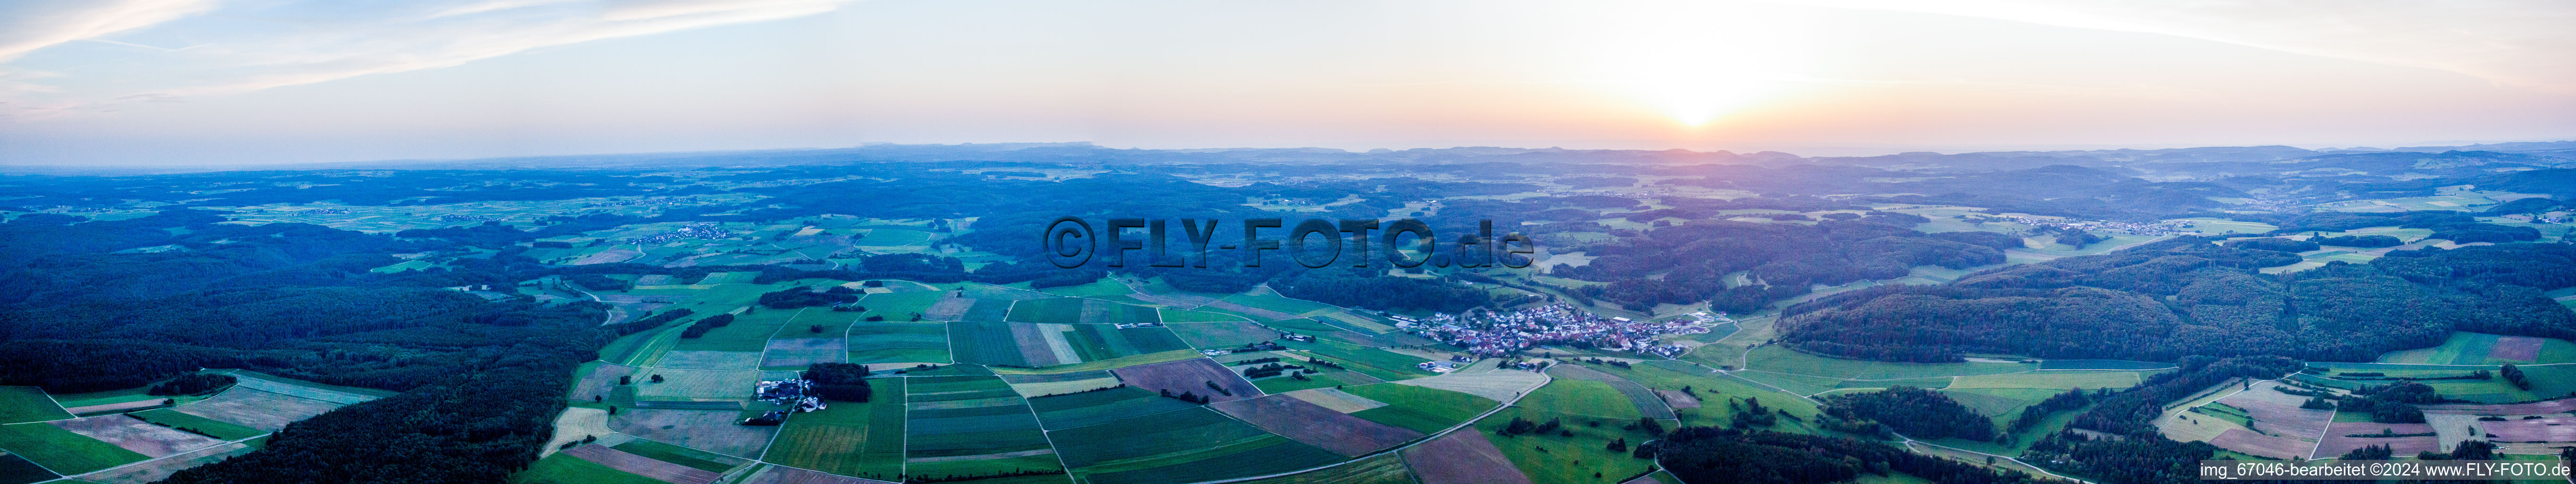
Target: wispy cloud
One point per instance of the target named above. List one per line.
(313, 41)
(2519, 42)
(28, 25)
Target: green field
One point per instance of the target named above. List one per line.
(15, 470)
(959, 416)
(1373, 362)
(1181, 316)
(899, 306)
(1285, 384)
(1556, 458)
(566, 469)
(1776, 358)
(693, 458)
(1714, 391)
(1078, 409)
(1580, 397)
(891, 342)
(1277, 303)
(2101, 365)
(2051, 379)
(1230, 334)
(28, 404)
(1056, 310)
(1383, 469)
(218, 429)
(1800, 384)
(2465, 348)
(1186, 445)
(70, 400)
(1120, 362)
(61, 450)
(1103, 287)
(1423, 409)
(852, 439)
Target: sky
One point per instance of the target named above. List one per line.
(233, 82)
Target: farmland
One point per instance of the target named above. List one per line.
(62, 450)
(28, 404)
(1223, 334)
(1079, 409)
(1419, 408)
(1180, 446)
(887, 342)
(1198, 376)
(971, 426)
(1316, 425)
(848, 438)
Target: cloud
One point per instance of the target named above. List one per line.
(2520, 42)
(28, 25)
(295, 42)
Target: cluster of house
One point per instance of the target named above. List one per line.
(1138, 325)
(2164, 227)
(797, 394)
(1488, 334)
(692, 231)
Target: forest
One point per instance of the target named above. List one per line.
(1913, 412)
(481, 380)
(2187, 296)
(1710, 454)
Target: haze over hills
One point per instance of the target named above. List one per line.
(2539, 154)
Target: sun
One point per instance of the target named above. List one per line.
(1697, 62)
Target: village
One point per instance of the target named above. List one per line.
(1491, 334)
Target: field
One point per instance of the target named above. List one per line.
(1185, 316)
(1555, 458)
(889, 342)
(1646, 402)
(770, 474)
(1581, 397)
(1369, 361)
(1280, 304)
(1086, 408)
(157, 469)
(642, 465)
(708, 430)
(852, 439)
(136, 435)
(1774, 358)
(1062, 383)
(970, 425)
(61, 450)
(2052, 379)
(1501, 386)
(689, 385)
(1286, 383)
(693, 458)
(1714, 391)
(16, 470)
(1180, 446)
(2465, 348)
(220, 430)
(1315, 425)
(1383, 469)
(1464, 457)
(1080, 310)
(565, 468)
(2339, 438)
(1231, 334)
(712, 360)
(1419, 408)
(305, 389)
(800, 353)
(1191, 376)
(28, 404)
